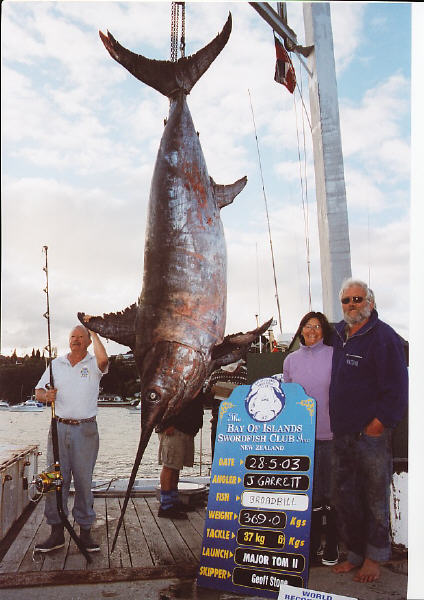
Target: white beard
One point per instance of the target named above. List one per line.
(362, 315)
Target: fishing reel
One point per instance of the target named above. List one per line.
(48, 480)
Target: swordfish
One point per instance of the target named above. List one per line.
(176, 329)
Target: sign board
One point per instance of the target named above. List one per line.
(258, 516)
(288, 592)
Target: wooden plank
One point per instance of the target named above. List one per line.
(75, 560)
(159, 550)
(172, 536)
(137, 545)
(197, 519)
(54, 560)
(100, 560)
(21, 580)
(13, 558)
(32, 561)
(120, 556)
(191, 537)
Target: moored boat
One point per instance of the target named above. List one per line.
(111, 400)
(30, 405)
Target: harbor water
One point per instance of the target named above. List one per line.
(119, 431)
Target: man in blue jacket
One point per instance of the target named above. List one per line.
(368, 398)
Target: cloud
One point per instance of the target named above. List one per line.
(347, 21)
(380, 256)
(372, 131)
(363, 192)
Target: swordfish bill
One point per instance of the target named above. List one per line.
(176, 330)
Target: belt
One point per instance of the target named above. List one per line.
(75, 421)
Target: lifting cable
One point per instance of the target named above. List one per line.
(267, 216)
(304, 185)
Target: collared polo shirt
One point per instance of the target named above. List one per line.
(77, 386)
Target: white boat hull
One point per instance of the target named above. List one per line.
(26, 408)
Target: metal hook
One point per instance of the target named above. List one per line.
(37, 556)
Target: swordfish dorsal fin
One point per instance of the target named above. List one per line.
(119, 327)
(225, 194)
(165, 76)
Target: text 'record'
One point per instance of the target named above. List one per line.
(288, 592)
(258, 516)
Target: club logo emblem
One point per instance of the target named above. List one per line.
(265, 399)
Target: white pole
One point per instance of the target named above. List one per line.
(328, 158)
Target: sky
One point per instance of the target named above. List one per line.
(80, 137)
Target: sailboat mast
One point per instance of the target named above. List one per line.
(330, 186)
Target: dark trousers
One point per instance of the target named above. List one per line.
(363, 475)
(323, 472)
(214, 423)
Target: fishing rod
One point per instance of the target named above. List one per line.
(52, 479)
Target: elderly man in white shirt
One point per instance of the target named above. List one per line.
(76, 378)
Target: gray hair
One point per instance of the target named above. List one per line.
(81, 326)
(369, 294)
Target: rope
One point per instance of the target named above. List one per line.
(267, 216)
(305, 110)
(258, 316)
(368, 243)
(304, 194)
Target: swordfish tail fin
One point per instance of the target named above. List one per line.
(165, 76)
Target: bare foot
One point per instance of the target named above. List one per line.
(370, 571)
(343, 567)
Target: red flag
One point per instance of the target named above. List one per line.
(284, 70)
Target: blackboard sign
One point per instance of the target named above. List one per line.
(258, 516)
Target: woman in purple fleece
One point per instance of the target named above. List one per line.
(310, 366)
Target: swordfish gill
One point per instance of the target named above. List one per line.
(176, 330)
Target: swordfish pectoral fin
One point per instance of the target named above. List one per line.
(168, 77)
(236, 345)
(119, 327)
(225, 194)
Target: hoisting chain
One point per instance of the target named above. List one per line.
(175, 15)
(182, 42)
(174, 31)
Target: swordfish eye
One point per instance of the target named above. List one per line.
(153, 396)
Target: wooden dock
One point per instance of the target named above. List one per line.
(147, 548)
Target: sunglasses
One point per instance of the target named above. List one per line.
(355, 299)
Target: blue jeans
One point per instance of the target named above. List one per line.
(78, 448)
(323, 471)
(363, 475)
